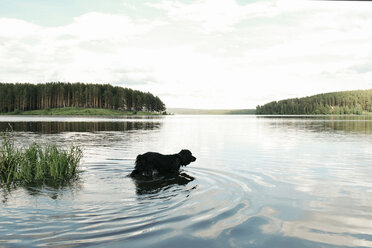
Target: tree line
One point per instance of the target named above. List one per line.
(344, 102)
(25, 96)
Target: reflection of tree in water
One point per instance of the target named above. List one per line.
(350, 124)
(58, 127)
(154, 185)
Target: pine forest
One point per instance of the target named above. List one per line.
(25, 96)
(345, 102)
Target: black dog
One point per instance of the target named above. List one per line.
(151, 163)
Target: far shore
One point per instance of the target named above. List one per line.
(189, 111)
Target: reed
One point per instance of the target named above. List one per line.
(37, 164)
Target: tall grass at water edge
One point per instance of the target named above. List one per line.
(37, 164)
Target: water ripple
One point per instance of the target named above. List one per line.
(200, 202)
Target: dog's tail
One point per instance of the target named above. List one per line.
(140, 163)
(141, 166)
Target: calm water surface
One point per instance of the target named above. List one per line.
(257, 182)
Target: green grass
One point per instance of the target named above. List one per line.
(78, 111)
(37, 164)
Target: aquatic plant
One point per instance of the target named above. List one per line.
(37, 164)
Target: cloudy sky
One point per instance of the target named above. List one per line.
(191, 53)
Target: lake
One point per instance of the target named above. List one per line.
(258, 181)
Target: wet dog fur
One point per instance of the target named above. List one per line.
(151, 163)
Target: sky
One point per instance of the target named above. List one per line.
(224, 54)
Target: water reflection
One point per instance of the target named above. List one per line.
(49, 189)
(156, 184)
(59, 127)
(349, 124)
(320, 227)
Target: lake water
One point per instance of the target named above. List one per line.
(257, 182)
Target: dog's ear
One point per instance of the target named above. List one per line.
(182, 156)
(184, 152)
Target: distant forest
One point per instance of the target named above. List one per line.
(345, 102)
(25, 96)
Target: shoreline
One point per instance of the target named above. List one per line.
(72, 111)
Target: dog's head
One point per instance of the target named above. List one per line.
(186, 157)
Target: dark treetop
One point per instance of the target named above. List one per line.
(344, 102)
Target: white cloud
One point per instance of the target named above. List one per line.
(81, 51)
(93, 26)
(213, 15)
(209, 54)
